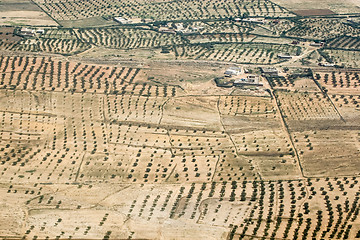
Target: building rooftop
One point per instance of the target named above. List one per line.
(269, 70)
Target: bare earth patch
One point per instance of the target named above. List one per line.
(339, 7)
(314, 12)
(23, 12)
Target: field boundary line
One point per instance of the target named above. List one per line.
(327, 96)
(78, 171)
(35, 3)
(255, 166)
(286, 128)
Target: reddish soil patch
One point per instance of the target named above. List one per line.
(7, 34)
(314, 12)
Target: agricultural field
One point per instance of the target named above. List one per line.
(343, 7)
(340, 82)
(332, 202)
(345, 42)
(348, 58)
(315, 111)
(53, 41)
(221, 27)
(127, 38)
(58, 33)
(7, 38)
(292, 83)
(343, 89)
(220, 38)
(22, 12)
(279, 27)
(306, 106)
(47, 74)
(215, 119)
(145, 9)
(316, 145)
(254, 53)
(321, 28)
(60, 46)
(76, 138)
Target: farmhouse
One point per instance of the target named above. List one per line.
(329, 65)
(269, 71)
(232, 71)
(284, 56)
(167, 30)
(26, 32)
(315, 44)
(250, 20)
(40, 31)
(122, 20)
(250, 80)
